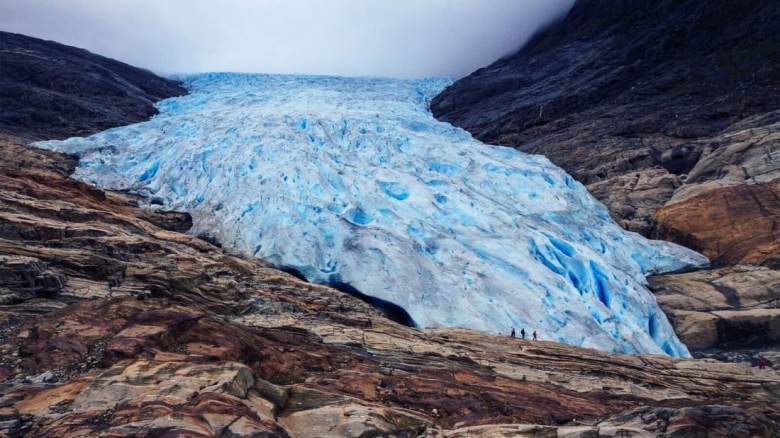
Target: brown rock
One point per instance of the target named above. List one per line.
(352, 420)
(695, 421)
(738, 156)
(174, 382)
(760, 324)
(697, 330)
(738, 224)
(23, 278)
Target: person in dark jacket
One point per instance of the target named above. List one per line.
(513, 332)
(522, 333)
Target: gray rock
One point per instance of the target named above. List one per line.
(47, 377)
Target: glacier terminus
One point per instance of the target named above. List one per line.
(352, 181)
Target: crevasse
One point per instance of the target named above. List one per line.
(351, 180)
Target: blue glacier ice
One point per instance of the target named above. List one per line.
(351, 180)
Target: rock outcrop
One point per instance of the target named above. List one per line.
(734, 224)
(723, 309)
(729, 206)
(650, 104)
(51, 90)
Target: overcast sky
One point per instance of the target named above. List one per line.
(394, 38)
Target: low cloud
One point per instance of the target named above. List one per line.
(393, 38)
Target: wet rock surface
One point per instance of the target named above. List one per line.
(151, 331)
(49, 90)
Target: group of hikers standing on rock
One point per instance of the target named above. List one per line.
(522, 333)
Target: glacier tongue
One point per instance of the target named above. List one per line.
(351, 180)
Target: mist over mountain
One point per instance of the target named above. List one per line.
(388, 38)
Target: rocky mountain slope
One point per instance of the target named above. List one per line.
(669, 112)
(51, 90)
(667, 104)
(115, 322)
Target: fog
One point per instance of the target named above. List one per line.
(391, 38)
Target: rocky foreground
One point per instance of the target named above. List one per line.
(115, 322)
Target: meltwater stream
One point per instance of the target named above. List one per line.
(352, 181)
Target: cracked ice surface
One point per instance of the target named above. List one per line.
(352, 180)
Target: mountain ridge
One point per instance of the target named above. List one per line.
(85, 93)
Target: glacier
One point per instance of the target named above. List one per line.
(352, 181)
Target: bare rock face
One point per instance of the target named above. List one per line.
(733, 307)
(149, 331)
(26, 278)
(733, 224)
(633, 198)
(746, 153)
(615, 87)
(49, 90)
(698, 421)
(729, 206)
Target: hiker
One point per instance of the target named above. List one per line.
(761, 363)
(534, 335)
(522, 333)
(513, 332)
